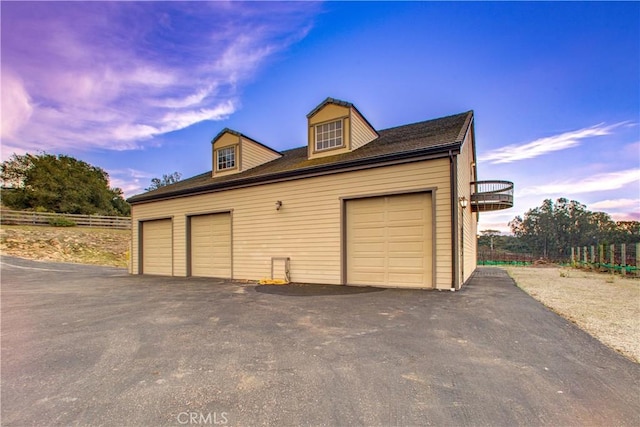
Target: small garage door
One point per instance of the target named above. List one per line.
(389, 241)
(211, 245)
(157, 257)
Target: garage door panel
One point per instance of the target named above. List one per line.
(367, 218)
(406, 279)
(157, 253)
(210, 247)
(408, 246)
(368, 233)
(389, 241)
(369, 277)
(368, 246)
(410, 231)
(415, 261)
(406, 216)
(370, 262)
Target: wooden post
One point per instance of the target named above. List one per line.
(601, 254)
(613, 258)
(573, 256)
(623, 258)
(592, 251)
(584, 255)
(578, 255)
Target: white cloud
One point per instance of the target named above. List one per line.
(598, 182)
(539, 147)
(130, 181)
(501, 226)
(616, 204)
(179, 120)
(16, 105)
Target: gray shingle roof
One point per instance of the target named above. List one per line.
(417, 139)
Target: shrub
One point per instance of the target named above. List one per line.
(60, 221)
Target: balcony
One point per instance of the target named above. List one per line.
(491, 195)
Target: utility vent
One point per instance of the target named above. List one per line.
(280, 269)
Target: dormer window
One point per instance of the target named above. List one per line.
(226, 158)
(329, 135)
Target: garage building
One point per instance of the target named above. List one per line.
(354, 206)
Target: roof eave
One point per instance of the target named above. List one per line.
(404, 156)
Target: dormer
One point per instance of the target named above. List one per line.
(234, 152)
(337, 127)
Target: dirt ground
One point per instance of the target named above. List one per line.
(604, 305)
(98, 246)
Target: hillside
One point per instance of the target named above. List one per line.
(98, 246)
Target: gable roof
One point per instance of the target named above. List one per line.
(401, 143)
(331, 101)
(241, 135)
(342, 104)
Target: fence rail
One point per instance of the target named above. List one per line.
(10, 217)
(621, 258)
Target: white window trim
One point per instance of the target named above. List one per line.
(220, 151)
(325, 128)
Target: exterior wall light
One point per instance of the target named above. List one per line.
(278, 205)
(463, 202)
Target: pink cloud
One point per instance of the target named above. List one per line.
(86, 75)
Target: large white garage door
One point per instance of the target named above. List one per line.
(389, 241)
(211, 245)
(157, 253)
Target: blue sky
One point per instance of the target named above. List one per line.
(140, 88)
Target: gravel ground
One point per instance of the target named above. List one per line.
(604, 305)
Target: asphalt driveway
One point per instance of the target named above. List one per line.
(86, 345)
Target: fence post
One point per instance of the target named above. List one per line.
(613, 258)
(601, 254)
(573, 256)
(623, 258)
(592, 252)
(584, 255)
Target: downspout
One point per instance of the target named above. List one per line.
(453, 162)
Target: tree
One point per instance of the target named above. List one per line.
(59, 184)
(627, 232)
(164, 181)
(488, 236)
(551, 229)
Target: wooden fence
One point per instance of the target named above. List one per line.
(621, 258)
(10, 217)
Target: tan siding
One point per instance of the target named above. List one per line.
(361, 133)
(255, 155)
(329, 112)
(226, 140)
(307, 227)
(468, 237)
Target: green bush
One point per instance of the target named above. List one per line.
(60, 221)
